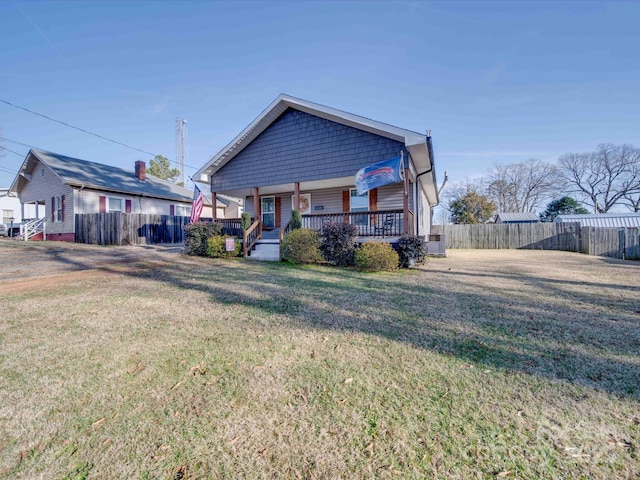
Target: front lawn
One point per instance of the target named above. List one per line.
(501, 364)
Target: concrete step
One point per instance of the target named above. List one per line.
(269, 252)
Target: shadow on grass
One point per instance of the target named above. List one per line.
(583, 333)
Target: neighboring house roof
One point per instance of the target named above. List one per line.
(416, 143)
(603, 220)
(97, 176)
(514, 217)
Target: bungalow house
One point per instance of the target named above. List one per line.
(57, 187)
(302, 155)
(517, 217)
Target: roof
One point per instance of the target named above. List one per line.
(517, 217)
(97, 176)
(416, 143)
(603, 220)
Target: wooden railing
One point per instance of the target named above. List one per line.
(250, 236)
(283, 231)
(380, 223)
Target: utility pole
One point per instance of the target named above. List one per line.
(181, 136)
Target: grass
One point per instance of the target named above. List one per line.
(507, 364)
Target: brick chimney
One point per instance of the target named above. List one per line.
(141, 170)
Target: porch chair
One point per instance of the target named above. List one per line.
(386, 226)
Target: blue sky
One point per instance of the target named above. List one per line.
(494, 81)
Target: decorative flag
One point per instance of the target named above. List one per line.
(379, 174)
(198, 203)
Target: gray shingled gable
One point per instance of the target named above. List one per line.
(300, 147)
(77, 172)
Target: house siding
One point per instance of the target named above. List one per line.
(44, 185)
(389, 198)
(88, 201)
(300, 147)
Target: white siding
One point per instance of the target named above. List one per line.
(88, 201)
(44, 185)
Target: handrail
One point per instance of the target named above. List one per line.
(283, 231)
(251, 236)
(31, 228)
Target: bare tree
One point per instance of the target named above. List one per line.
(522, 187)
(604, 178)
(632, 198)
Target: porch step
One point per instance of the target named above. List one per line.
(271, 234)
(266, 250)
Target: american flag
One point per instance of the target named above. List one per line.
(198, 203)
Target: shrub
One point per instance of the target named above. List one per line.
(296, 220)
(217, 247)
(302, 246)
(245, 220)
(376, 257)
(196, 235)
(411, 249)
(339, 242)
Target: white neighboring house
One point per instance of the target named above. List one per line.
(13, 212)
(57, 187)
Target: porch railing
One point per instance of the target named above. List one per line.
(231, 226)
(32, 228)
(380, 223)
(251, 236)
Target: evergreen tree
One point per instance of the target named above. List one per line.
(562, 206)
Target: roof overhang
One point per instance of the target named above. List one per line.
(415, 142)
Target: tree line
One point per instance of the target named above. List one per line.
(592, 182)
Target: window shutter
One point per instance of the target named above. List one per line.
(53, 209)
(373, 200)
(172, 209)
(62, 206)
(103, 204)
(127, 206)
(277, 207)
(346, 200)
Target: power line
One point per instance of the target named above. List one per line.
(16, 142)
(76, 128)
(86, 131)
(6, 170)
(5, 148)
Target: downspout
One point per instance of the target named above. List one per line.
(430, 151)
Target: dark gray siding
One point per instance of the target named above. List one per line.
(300, 147)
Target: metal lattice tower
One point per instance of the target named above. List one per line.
(181, 136)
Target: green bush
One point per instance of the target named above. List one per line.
(411, 249)
(196, 235)
(339, 243)
(302, 246)
(245, 220)
(296, 220)
(376, 257)
(217, 247)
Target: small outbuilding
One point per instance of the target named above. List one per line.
(517, 217)
(603, 220)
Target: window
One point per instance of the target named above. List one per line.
(359, 203)
(57, 208)
(6, 216)
(115, 204)
(182, 211)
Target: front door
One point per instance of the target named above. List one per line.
(268, 212)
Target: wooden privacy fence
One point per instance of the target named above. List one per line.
(138, 228)
(570, 237)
